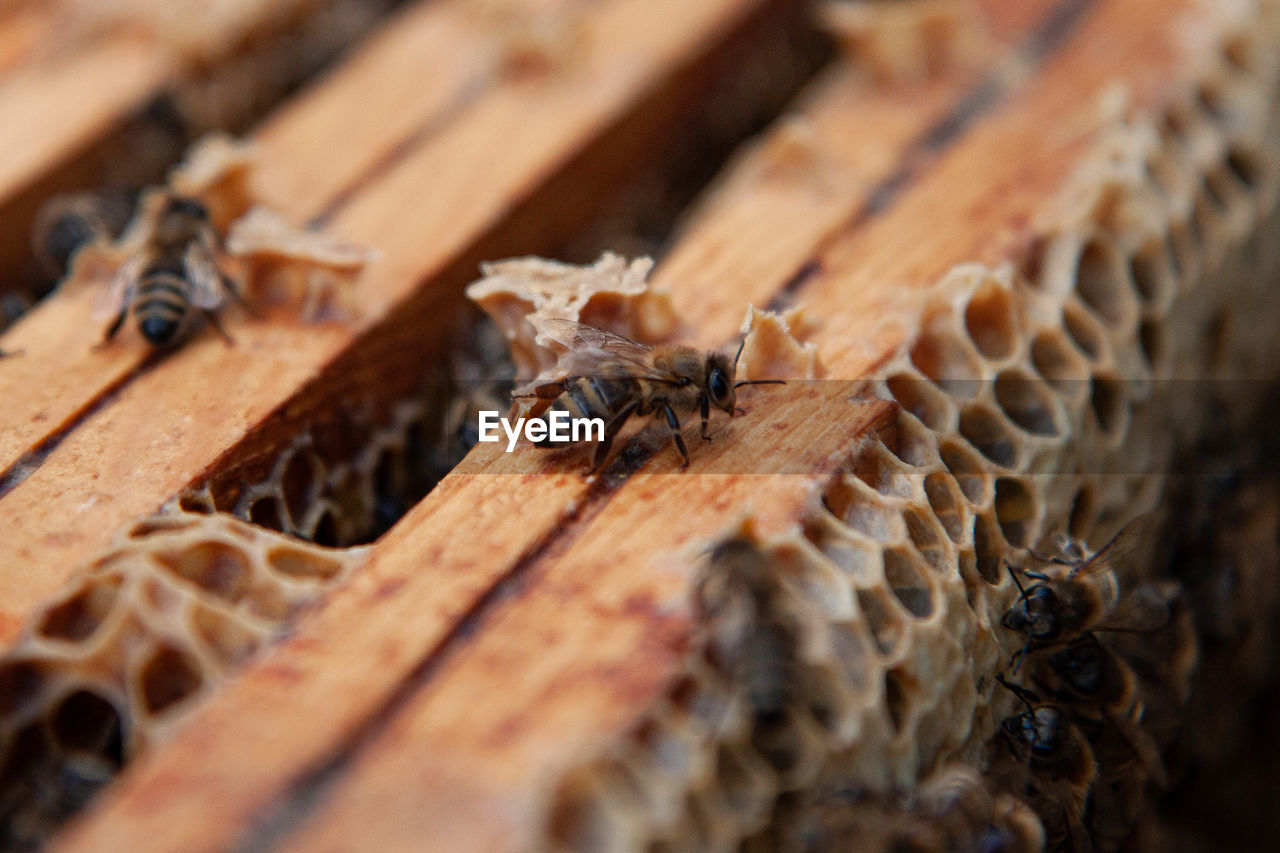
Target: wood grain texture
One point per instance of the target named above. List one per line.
(76, 83)
(449, 698)
(567, 667)
(167, 426)
(432, 44)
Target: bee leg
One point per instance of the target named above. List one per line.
(674, 423)
(602, 452)
(705, 405)
(1049, 558)
(212, 317)
(113, 328)
(610, 430)
(232, 288)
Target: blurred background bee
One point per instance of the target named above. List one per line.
(68, 223)
(610, 377)
(1101, 691)
(171, 272)
(754, 638)
(953, 810)
(1075, 594)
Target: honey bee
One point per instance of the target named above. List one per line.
(1049, 763)
(171, 271)
(1079, 594)
(753, 638)
(610, 377)
(68, 223)
(954, 811)
(1102, 689)
(1105, 700)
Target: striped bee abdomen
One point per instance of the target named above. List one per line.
(163, 300)
(591, 397)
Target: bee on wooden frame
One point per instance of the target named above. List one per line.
(171, 273)
(607, 376)
(69, 223)
(1076, 594)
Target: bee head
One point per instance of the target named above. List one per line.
(719, 383)
(1035, 613)
(186, 208)
(1038, 729)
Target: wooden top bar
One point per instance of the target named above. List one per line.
(166, 428)
(476, 700)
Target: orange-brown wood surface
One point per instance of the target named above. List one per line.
(520, 618)
(92, 89)
(75, 80)
(175, 419)
(515, 738)
(432, 44)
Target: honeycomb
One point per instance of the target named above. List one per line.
(1033, 400)
(218, 170)
(773, 346)
(143, 633)
(298, 267)
(336, 485)
(897, 42)
(610, 294)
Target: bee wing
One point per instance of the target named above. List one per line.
(1077, 833)
(206, 281)
(1144, 746)
(1144, 609)
(108, 301)
(580, 336)
(598, 352)
(1121, 547)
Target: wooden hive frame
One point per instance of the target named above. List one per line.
(523, 640)
(129, 98)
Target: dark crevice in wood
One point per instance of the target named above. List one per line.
(307, 792)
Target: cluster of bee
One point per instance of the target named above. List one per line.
(166, 264)
(1082, 753)
(607, 376)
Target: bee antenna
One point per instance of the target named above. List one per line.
(738, 355)
(760, 382)
(1024, 695)
(1021, 654)
(1022, 592)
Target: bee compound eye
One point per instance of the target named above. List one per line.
(718, 385)
(1044, 731)
(189, 207)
